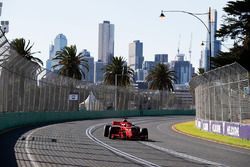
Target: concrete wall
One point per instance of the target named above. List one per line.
(10, 120)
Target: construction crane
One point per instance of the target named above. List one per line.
(190, 47)
(179, 41)
(190, 53)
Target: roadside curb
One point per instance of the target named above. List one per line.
(202, 138)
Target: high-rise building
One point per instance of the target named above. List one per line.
(135, 58)
(147, 66)
(215, 44)
(99, 71)
(183, 70)
(161, 58)
(106, 42)
(4, 24)
(89, 74)
(59, 43)
(140, 73)
(1, 5)
(85, 53)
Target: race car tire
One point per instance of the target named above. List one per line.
(144, 133)
(106, 130)
(111, 132)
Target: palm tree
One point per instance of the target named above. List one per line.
(118, 71)
(201, 71)
(161, 78)
(24, 49)
(70, 63)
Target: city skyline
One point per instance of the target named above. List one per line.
(133, 21)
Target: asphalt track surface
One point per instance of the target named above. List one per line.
(81, 144)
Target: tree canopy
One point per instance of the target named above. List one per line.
(161, 78)
(70, 63)
(118, 71)
(23, 48)
(236, 26)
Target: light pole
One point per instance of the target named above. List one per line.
(116, 92)
(207, 27)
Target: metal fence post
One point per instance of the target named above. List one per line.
(239, 95)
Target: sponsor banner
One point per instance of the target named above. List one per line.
(198, 124)
(216, 127)
(232, 129)
(205, 125)
(225, 128)
(245, 132)
(73, 96)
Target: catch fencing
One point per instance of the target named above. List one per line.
(25, 86)
(223, 94)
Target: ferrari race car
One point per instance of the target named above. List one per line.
(125, 130)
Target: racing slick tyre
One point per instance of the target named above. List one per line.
(144, 133)
(111, 132)
(106, 130)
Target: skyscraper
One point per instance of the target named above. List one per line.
(106, 42)
(99, 71)
(135, 58)
(161, 58)
(89, 74)
(183, 70)
(4, 24)
(59, 43)
(215, 44)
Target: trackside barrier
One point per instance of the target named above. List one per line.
(10, 120)
(233, 129)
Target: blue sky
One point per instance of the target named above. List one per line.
(41, 20)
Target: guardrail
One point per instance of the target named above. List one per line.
(10, 120)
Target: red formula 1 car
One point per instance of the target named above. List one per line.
(125, 130)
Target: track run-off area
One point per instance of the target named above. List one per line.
(82, 144)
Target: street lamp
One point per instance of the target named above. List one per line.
(207, 27)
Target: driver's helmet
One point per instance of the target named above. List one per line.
(125, 120)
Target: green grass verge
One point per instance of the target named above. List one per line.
(189, 128)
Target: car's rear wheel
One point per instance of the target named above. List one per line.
(112, 131)
(106, 130)
(144, 133)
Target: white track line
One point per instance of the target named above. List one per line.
(182, 155)
(29, 154)
(124, 154)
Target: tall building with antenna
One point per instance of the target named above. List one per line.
(215, 44)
